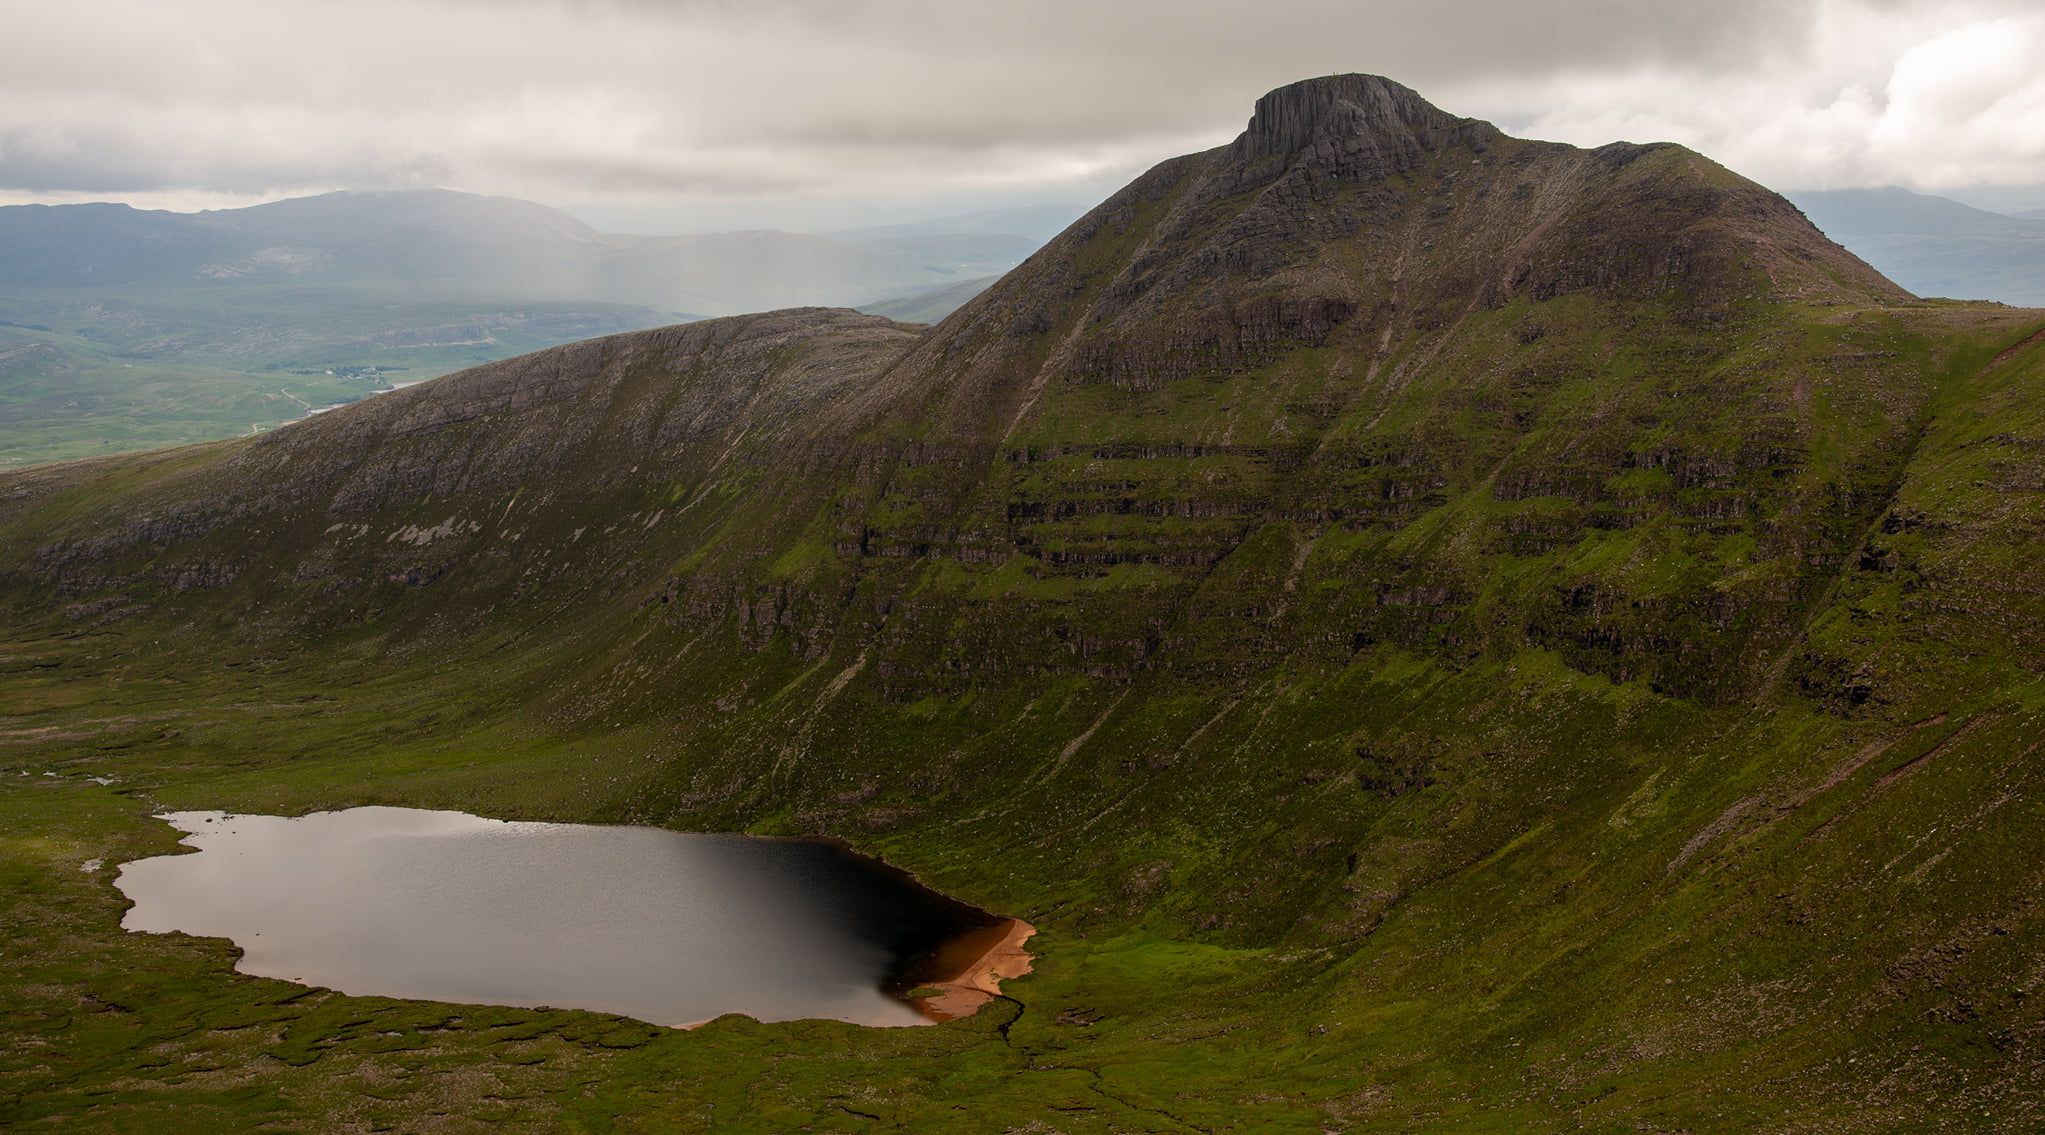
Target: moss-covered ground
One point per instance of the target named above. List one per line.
(1594, 911)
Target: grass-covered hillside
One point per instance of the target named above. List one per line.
(1438, 631)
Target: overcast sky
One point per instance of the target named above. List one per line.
(699, 114)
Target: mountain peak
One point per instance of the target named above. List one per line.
(1353, 216)
(1357, 107)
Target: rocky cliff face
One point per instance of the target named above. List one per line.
(1347, 514)
(1343, 116)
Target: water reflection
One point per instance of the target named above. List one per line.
(667, 927)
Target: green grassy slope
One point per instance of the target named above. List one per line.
(1439, 632)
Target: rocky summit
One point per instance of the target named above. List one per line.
(1436, 630)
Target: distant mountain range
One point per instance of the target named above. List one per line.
(123, 328)
(1935, 246)
(463, 246)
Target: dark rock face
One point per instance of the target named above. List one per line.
(1229, 338)
(1364, 125)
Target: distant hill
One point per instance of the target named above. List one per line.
(931, 306)
(1935, 246)
(461, 245)
(123, 328)
(2031, 214)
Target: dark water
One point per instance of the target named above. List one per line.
(667, 927)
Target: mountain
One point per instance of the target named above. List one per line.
(2031, 215)
(127, 328)
(1936, 247)
(1437, 630)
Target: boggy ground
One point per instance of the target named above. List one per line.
(1702, 934)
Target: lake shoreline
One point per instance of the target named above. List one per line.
(967, 971)
(638, 921)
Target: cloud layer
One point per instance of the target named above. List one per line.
(637, 99)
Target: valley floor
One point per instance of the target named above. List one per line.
(1125, 1025)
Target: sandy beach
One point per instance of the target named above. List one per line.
(968, 972)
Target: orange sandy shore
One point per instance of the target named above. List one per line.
(969, 971)
(966, 973)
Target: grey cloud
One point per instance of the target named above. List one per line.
(588, 98)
